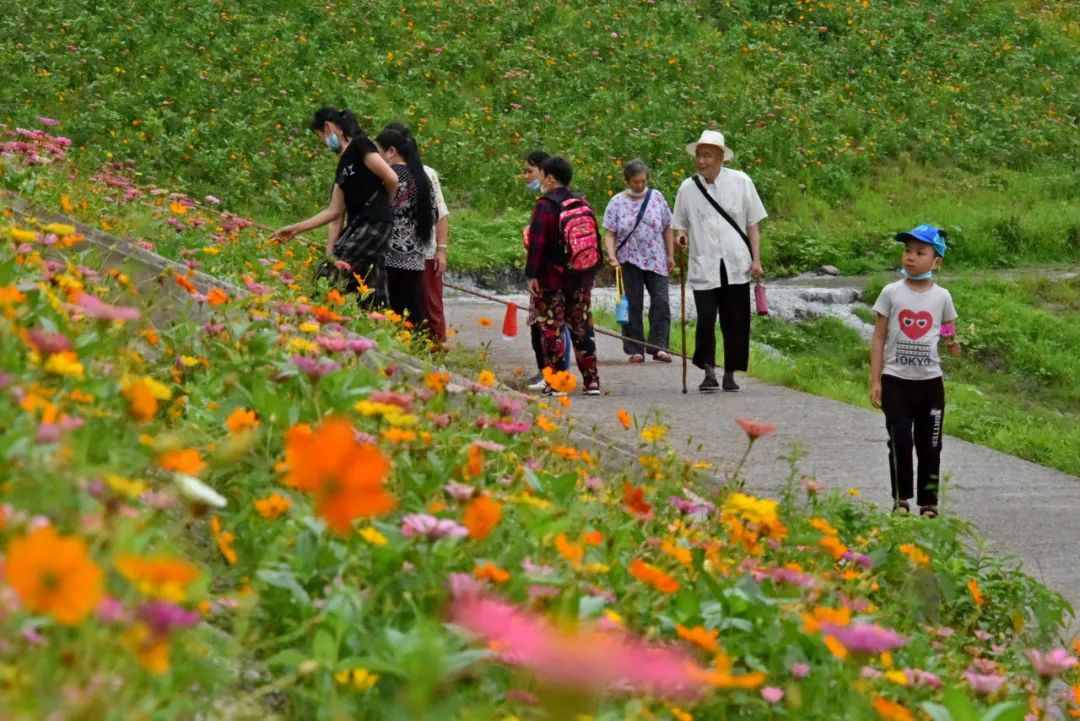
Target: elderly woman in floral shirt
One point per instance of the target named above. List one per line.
(639, 239)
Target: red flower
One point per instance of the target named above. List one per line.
(755, 429)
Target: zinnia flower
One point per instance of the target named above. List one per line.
(481, 516)
(53, 574)
(755, 429)
(585, 660)
(159, 577)
(430, 527)
(983, 683)
(345, 476)
(1051, 663)
(867, 638)
(96, 308)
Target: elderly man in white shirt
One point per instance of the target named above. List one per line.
(719, 209)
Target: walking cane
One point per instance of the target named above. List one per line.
(682, 311)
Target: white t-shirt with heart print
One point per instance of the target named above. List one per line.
(915, 318)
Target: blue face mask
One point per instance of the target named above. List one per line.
(534, 185)
(921, 276)
(333, 143)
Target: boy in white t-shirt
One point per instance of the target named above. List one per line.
(913, 315)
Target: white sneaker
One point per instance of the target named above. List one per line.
(551, 392)
(538, 386)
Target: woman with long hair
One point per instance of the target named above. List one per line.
(363, 186)
(414, 217)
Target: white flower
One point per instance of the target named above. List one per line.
(196, 491)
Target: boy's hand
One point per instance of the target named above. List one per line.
(875, 393)
(534, 287)
(954, 348)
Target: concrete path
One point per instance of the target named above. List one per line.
(1023, 509)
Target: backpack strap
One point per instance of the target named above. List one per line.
(722, 212)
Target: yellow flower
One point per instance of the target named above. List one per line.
(372, 536)
(653, 433)
(897, 677)
(359, 678)
(486, 379)
(65, 364)
(126, 487)
(60, 229)
(303, 345)
(309, 327)
(916, 554)
(761, 511)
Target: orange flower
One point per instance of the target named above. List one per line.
(273, 506)
(624, 418)
(700, 636)
(679, 553)
(486, 379)
(187, 461)
(647, 573)
(184, 283)
(177, 207)
(335, 297)
(216, 296)
(398, 435)
(545, 424)
(835, 647)
(561, 381)
(224, 540)
(53, 574)
(158, 576)
(481, 516)
(722, 677)
(593, 538)
(437, 380)
(151, 649)
(491, 572)
(833, 545)
(241, 419)
(143, 396)
(484, 321)
(345, 476)
(475, 465)
(976, 593)
(916, 554)
(634, 501)
(823, 614)
(890, 711)
(572, 552)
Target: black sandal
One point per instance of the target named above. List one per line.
(928, 511)
(902, 507)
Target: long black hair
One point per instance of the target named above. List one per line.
(343, 118)
(397, 136)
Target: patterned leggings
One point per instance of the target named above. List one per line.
(571, 306)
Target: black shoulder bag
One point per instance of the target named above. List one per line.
(640, 215)
(721, 211)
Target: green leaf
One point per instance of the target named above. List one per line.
(290, 658)
(324, 647)
(463, 659)
(1006, 711)
(937, 712)
(960, 706)
(286, 580)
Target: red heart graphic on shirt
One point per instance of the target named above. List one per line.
(915, 325)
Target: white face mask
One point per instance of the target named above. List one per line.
(632, 194)
(534, 185)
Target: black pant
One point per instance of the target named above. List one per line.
(914, 411)
(637, 281)
(732, 304)
(406, 291)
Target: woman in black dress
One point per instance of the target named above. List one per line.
(363, 186)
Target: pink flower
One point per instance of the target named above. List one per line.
(359, 346)
(489, 445)
(513, 427)
(1052, 663)
(755, 429)
(314, 368)
(430, 527)
(44, 120)
(771, 694)
(459, 491)
(48, 343)
(983, 683)
(585, 660)
(799, 669)
(463, 585)
(212, 199)
(865, 637)
(96, 308)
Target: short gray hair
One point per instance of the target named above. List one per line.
(634, 168)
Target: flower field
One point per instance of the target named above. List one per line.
(249, 500)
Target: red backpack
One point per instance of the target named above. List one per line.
(580, 235)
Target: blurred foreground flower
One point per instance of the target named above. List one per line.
(53, 574)
(344, 476)
(584, 660)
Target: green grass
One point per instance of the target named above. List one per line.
(1013, 388)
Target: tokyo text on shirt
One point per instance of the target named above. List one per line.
(914, 329)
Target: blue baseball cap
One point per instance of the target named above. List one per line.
(926, 234)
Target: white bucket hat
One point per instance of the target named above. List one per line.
(711, 137)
